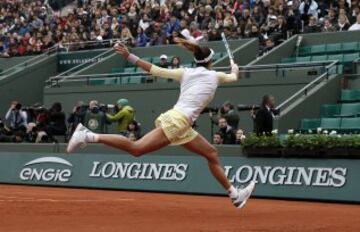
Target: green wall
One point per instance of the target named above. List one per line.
(106, 65)
(330, 37)
(6, 63)
(27, 84)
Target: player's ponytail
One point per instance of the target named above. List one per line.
(203, 55)
(192, 47)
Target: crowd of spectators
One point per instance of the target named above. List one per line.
(34, 125)
(30, 27)
(226, 119)
(37, 124)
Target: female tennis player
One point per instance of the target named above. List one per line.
(197, 89)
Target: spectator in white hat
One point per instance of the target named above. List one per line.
(164, 61)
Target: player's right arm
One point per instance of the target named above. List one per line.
(174, 74)
(228, 78)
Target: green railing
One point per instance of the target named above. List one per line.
(29, 62)
(277, 70)
(330, 72)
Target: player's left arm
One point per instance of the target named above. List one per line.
(231, 77)
(175, 74)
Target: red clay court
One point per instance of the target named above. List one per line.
(30, 209)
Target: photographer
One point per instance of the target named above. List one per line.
(228, 112)
(95, 119)
(264, 117)
(56, 124)
(77, 116)
(5, 133)
(40, 114)
(124, 116)
(16, 117)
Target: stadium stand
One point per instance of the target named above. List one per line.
(344, 116)
(148, 23)
(93, 26)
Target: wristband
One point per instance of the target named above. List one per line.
(133, 58)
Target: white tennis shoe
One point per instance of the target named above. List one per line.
(243, 195)
(78, 139)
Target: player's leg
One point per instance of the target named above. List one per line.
(202, 147)
(152, 141)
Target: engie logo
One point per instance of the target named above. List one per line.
(48, 169)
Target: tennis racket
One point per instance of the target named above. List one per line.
(227, 47)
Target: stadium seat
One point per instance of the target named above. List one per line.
(123, 80)
(338, 57)
(330, 123)
(350, 47)
(187, 65)
(304, 51)
(135, 80)
(340, 69)
(117, 70)
(139, 70)
(288, 60)
(129, 70)
(349, 110)
(310, 123)
(110, 81)
(333, 48)
(303, 59)
(319, 58)
(330, 110)
(350, 95)
(156, 60)
(96, 82)
(148, 59)
(349, 58)
(350, 123)
(318, 49)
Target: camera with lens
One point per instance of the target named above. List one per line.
(242, 107)
(2, 125)
(210, 109)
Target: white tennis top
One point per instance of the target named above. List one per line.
(197, 87)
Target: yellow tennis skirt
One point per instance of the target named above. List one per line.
(176, 127)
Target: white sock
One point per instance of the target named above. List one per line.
(233, 193)
(92, 137)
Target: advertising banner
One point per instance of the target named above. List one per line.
(69, 60)
(317, 179)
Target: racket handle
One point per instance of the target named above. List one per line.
(232, 62)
